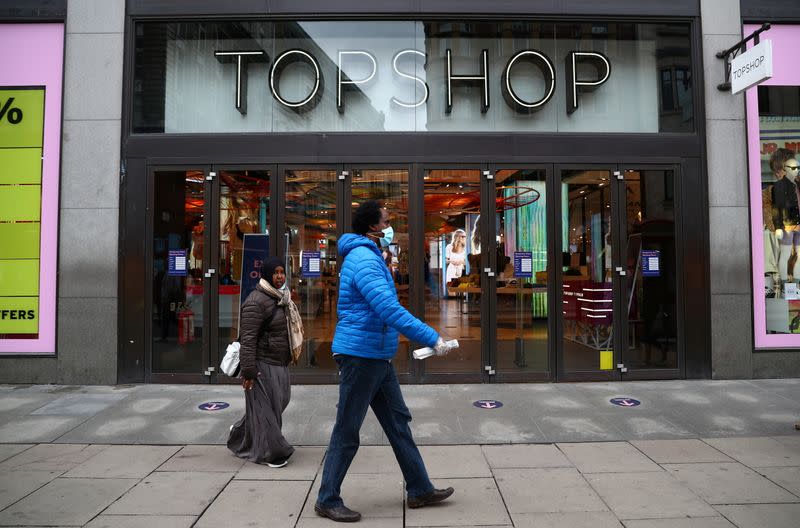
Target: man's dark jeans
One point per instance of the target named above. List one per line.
(372, 383)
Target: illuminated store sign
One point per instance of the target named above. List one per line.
(30, 132)
(575, 84)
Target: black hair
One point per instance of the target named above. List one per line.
(779, 157)
(365, 216)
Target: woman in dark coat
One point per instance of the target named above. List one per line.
(271, 336)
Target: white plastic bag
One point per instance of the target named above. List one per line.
(230, 363)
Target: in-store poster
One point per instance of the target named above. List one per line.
(255, 249)
(311, 264)
(31, 84)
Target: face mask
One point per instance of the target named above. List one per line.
(388, 236)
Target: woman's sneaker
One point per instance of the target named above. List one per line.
(278, 462)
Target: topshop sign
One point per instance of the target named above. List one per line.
(302, 103)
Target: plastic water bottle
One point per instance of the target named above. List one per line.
(426, 352)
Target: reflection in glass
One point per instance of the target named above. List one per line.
(177, 324)
(521, 289)
(243, 212)
(587, 300)
(452, 265)
(651, 275)
(389, 187)
(311, 227)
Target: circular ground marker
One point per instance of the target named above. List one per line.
(488, 404)
(213, 406)
(625, 402)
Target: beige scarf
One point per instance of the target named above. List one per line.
(293, 320)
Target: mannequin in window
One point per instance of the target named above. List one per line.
(240, 220)
(785, 211)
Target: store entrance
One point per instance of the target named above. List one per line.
(620, 310)
(500, 257)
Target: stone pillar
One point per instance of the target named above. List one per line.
(728, 211)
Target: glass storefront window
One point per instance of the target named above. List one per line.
(773, 121)
(342, 76)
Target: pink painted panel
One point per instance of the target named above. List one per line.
(785, 43)
(33, 54)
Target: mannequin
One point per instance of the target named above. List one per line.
(785, 212)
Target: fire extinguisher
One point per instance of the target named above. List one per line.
(185, 325)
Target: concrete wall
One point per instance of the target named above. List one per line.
(729, 239)
(89, 211)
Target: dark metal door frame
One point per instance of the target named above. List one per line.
(679, 371)
(167, 377)
(552, 307)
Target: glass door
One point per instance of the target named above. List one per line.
(456, 245)
(589, 285)
(519, 259)
(650, 284)
(179, 258)
(311, 220)
(241, 219)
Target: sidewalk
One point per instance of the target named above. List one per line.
(694, 454)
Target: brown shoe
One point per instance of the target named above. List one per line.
(338, 513)
(437, 495)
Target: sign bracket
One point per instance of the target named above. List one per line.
(739, 47)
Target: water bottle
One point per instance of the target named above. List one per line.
(426, 352)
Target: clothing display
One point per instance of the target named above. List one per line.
(785, 211)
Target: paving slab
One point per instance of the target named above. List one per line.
(65, 502)
(577, 428)
(697, 522)
(15, 485)
(758, 451)
(241, 504)
(142, 521)
(163, 493)
(52, 457)
(9, 450)
(684, 451)
(762, 515)
(386, 522)
(23, 403)
(525, 456)
(203, 458)
(375, 459)
(607, 457)
(493, 427)
(648, 496)
(549, 490)
(304, 465)
(123, 462)
(79, 404)
(109, 428)
(37, 429)
(200, 429)
(455, 461)
(439, 429)
(566, 520)
(374, 496)
(652, 426)
(729, 483)
(476, 502)
(788, 477)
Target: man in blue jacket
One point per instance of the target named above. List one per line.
(370, 317)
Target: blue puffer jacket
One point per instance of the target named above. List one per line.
(370, 316)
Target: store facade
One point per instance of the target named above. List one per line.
(544, 170)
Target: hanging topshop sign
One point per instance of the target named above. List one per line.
(30, 132)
